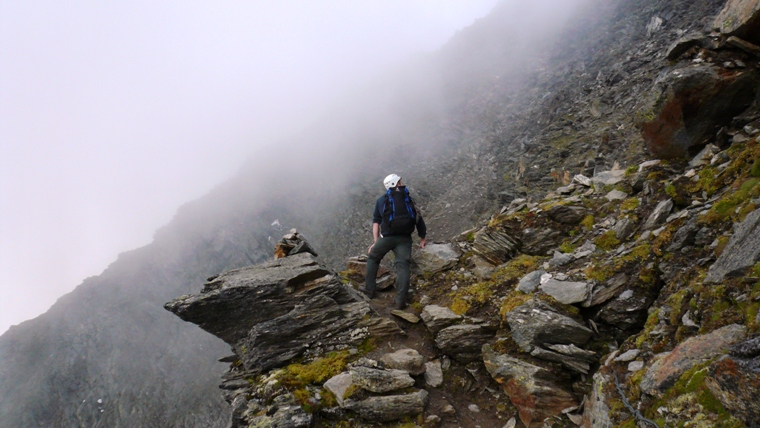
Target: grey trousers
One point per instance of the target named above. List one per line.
(401, 245)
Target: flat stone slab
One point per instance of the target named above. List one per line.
(567, 292)
(741, 253)
(408, 360)
(536, 324)
(390, 407)
(530, 282)
(406, 316)
(433, 373)
(434, 258)
(437, 317)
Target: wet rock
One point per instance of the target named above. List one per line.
(434, 258)
(391, 407)
(740, 18)
(437, 318)
(532, 389)
(689, 105)
(741, 253)
(530, 282)
(536, 242)
(666, 369)
(660, 213)
(535, 324)
(379, 381)
(495, 245)
(433, 374)
(338, 385)
(463, 342)
(405, 359)
(284, 412)
(566, 292)
(567, 214)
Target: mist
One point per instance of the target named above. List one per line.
(112, 116)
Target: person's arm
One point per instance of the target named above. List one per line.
(376, 219)
(422, 231)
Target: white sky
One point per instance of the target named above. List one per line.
(112, 114)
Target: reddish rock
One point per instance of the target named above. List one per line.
(740, 18)
(359, 265)
(534, 390)
(689, 105)
(736, 383)
(666, 370)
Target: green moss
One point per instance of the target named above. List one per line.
(638, 253)
(652, 321)
(600, 272)
(460, 306)
(607, 241)
(368, 345)
(630, 204)
(754, 170)
(319, 370)
(567, 247)
(513, 300)
(588, 222)
(470, 237)
(633, 169)
(671, 191)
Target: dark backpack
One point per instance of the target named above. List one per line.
(399, 220)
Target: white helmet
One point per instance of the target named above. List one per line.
(391, 181)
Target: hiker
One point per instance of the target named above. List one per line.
(393, 223)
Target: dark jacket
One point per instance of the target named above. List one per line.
(381, 217)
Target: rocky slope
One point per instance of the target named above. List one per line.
(629, 297)
(518, 122)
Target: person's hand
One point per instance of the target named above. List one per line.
(370, 248)
(422, 243)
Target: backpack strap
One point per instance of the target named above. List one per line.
(408, 202)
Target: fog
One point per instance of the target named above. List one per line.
(114, 114)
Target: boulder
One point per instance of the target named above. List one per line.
(667, 368)
(434, 258)
(560, 259)
(624, 228)
(437, 317)
(611, 288)
(380, 381)
(741, 253)
(408, 360)
(740, 18)
(530, 282)
(433, 374)
(567, 214)
(495, 245)
(684, 237)
(536, 324)
(629, 309)
(567, 292)
(390, 407)
(596, 412)
(659, 214)
(534, 390)
(463, 342)
(686, 42)
(735, 379)
(573, 363)
(285, 412)
(687, 106)
(359, 265)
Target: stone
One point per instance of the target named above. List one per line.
(535, 324)
(481, 267)
(740, 18)
(741, 253)
(596, 412)
(628, 310)
(685, 236)
(359, 265)
(703, 157)
(380, 381)
(530, 282)
(338, 385)
(648, 164)
(689, 105)
(536, 242)
(535, 391)
(659, 214)
(433, 374)
(735, 383)
(560, 259)
(624, 228)
(744, 45)
(473, 408)
(572, 363)
(582, 180)
(495, 245)
(567, 214)
(608, 178)
(628, 356)
(381, 327)
(463, 342)
(616, 195)
(406, 316)
(437, 318)
(567, 292)
(390, 407)
(575, 352)
(434, 258)
(284, 412)
(511, 423)
(405, 359)
(635, 366)
(666, 369)
(684, 43)
(318, 322)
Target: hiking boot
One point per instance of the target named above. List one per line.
(368, 293)
(399, 305)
